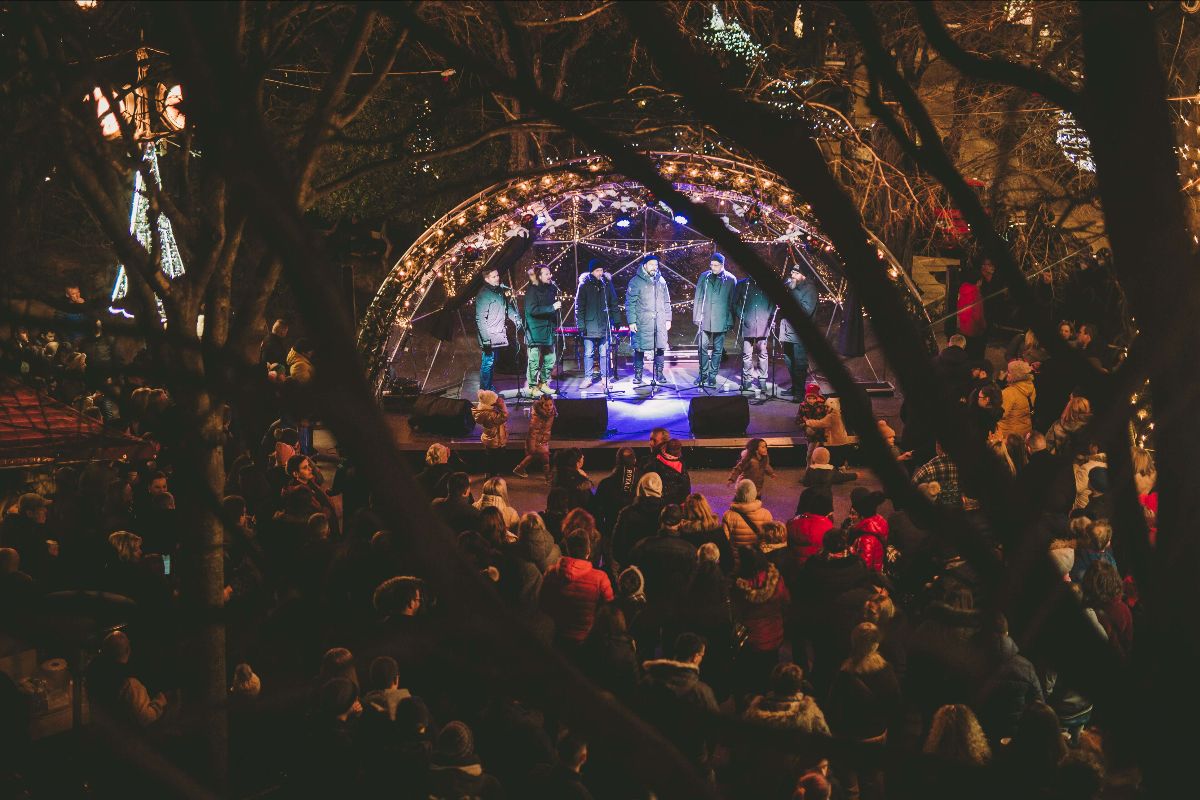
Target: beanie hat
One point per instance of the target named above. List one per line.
(1098, 480)
(594, 264)
(811, 389)
(631, 583)
(820, 455)
(650, 485)
(455, 746)
(487, 398)
(1019, 370)
(718, 258)
(337, 697)
(865, 501)
(649, 257)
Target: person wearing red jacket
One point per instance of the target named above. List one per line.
(869, 533)
(807, 529)
(759, 597)
(972, 322)
(573, 589)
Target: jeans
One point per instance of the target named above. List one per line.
(487, 362)
(754, 360)
(541, 364)
(712, 350)
(590, 348)
(797, 364)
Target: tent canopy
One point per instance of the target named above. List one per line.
(36, 429)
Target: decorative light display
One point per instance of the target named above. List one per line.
(110, 126)
(586, 206)
(139, 226)
(733, 39)
(1074, 142)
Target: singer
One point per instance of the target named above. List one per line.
(754, 310)
(595, 309)
(493, 305)
(648, 311)
(712, 313)
(541, 311)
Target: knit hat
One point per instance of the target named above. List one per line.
(811, 389)
(718, 258)
(455, 746)
(1019, 370)
(337, 697)
(594, 264)
(1098, 480)
(649, 257)
(650, 485)
(820, 455)
(865, 501)
(631, 583)
(487, 398)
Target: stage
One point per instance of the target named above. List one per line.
(633, 411)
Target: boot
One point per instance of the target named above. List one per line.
(659, 363)
(638, 366)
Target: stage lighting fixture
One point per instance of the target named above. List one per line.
(624, 222)
(680, 219)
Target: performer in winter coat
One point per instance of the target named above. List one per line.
(541, 312)
(753, 309)
(712, 311)
(493, 305)
(648, 311)
(805, 292)
(595, 313)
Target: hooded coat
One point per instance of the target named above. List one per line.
(635, 522)
(541, 422)
(759, 604)
(1017, 399)
(299, 367)
(676, 480)
(753, 309)
(666, 685)
(571, 591)
(648, 306)
(493, 421)
(492, 307)
(712, 309)
(739, 533)
(806, 533)
(596, 310)
(798, 711)
(1011, 686)
(870, 541)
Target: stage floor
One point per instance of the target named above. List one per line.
(633, 411)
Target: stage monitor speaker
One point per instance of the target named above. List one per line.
(436, 414)
(719, 415)
(586, 418)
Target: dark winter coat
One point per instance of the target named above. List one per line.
(666, 562)
(492, 308)
(540, 316)
(1010, 687)
(612, 494)
(753, 309)
(667, 685)
(635, 522)
(648, 305)
(953, 366)
(944, 657)
(596, 307)
(712, 309)
(861, 704)
(806, 295)
(676, 480)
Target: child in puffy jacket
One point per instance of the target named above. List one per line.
(869, 530)
(754, 465)
(492, 415)
(537, 439)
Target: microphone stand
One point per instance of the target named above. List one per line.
(742, 336)
(700, 357)
(510, 298)
(562, 343)
(610, 361)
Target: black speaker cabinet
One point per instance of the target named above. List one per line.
(719, 415)
(586, 418)
(435, 414)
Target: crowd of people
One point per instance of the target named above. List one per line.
(868, 628)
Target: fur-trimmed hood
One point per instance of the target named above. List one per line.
(756, 591)
(677, 676)
(790, 711)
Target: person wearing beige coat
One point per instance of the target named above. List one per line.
(745, 500)
(1017, 400)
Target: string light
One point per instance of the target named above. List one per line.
(733, 39)
(1074, 142)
